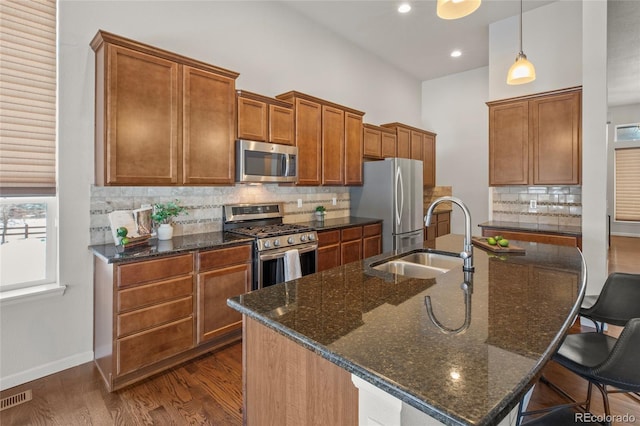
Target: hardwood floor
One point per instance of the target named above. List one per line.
(208, 390)
(204, 391)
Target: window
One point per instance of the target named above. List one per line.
(627, 132)
(627, 184)
(28, 205)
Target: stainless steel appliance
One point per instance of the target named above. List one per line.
(265, 162)
(272, 239)
(392, 191)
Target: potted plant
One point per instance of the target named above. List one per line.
(163, 214)
(320, 213)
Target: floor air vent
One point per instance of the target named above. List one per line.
(13, 400)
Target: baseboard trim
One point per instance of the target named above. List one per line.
(44, 370)
(624, 234)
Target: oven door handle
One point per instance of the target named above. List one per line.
(275, 254)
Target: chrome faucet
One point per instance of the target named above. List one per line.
(467, 253)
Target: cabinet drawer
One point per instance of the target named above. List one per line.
(153, 316)
(351, 233)
(327, 238)
(223, 257)
(151, 270)
(148, 347)
(370, 230)
(150, 294)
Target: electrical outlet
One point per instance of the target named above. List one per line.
(533, 204)
(334, 201)
(299, 203)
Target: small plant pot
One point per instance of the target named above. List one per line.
(165, 232)
(320, 216)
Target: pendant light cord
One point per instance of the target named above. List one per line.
(521, 27)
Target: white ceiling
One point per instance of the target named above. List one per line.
(420, 43)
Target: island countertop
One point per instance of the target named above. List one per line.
(374, 325)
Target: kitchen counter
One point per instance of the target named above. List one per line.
(341, 222)
(375, 326)
(113, 254)
(574, 231)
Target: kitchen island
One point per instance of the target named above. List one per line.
(306, 340)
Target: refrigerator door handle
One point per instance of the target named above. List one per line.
(399, 194)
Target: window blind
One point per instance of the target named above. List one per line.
(27, 97)
(627, 184)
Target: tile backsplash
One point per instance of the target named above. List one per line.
(204, 204)
(554, 205)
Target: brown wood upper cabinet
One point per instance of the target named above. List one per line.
(329, 141)
(536, 140)
(161, 118)
(264, 119)
(417, 144)
(379, 142)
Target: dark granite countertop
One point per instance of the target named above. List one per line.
(341, 222)
(574, 231)
(112, 254)
(375, 325)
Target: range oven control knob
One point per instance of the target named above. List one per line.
(290, 240)
(276, 242)
(311, 237)
(303, 238)
(267, 244)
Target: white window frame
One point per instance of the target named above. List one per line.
(625, 126)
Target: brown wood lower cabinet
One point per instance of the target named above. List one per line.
(149, 316)
(224, 273)
(340, 246)
(286, 384)
(440, 225)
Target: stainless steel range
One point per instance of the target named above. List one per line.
(272, 239)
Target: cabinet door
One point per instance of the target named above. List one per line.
(508, 144)
(252, 119)
(142, 119)
(444, 223)
(372, 143)
(371, 246)
(555, 138)
(429, 160)
(404, 143)
(388, 145)
(352, 149)
(281, 125)
(208, 129)
(417, 142)
(332, 146)
(328, 257)
(214, 288)
(350, 251)
(309, 141)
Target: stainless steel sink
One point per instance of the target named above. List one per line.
(420, 264)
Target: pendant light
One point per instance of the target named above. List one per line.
(522, 71)
(454, 9)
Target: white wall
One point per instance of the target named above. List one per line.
(552, 41)
(454, 107)
(626, 114)
(273, 48)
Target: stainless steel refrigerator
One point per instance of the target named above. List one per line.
(393, 192)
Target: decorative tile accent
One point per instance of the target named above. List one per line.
(555, 205)
(204, 204)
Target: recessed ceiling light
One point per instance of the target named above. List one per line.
(456, 53)
(404, 8)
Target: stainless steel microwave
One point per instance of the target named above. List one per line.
(265, 162)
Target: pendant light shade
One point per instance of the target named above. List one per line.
(454, 9)
(522, 71)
